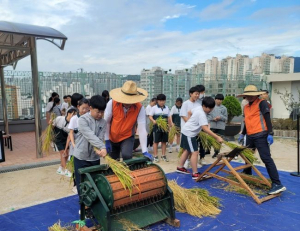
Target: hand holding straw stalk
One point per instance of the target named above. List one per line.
(121, 170)
(48, 136)
(172, 133)
(162, 124)
(248, 153)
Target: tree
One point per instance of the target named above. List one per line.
(233, 107)
(288, 99)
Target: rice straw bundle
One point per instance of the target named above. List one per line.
(70, 167)
(162, 124)
(129, 226)
(248, 153)
(48, 136)
(196, 202)
(57, 227)
(173, 131)
(180, 152)
(123, 173)
(208, 141)
(150, 127)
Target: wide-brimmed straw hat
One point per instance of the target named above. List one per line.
(129, 93)
(251, 90)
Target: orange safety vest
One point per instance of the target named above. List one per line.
(254, 120)
(123, 125)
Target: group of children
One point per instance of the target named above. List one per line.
(190, 117)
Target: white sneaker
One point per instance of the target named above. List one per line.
(74, 190)
(187, 164)
(150, 149)
(68, 173)
(203, 162)
(155, 159)
(170, 150)
(177, 149)
(59, 170)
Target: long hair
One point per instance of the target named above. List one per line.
(56, 100)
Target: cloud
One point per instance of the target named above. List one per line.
(126, 36)
(218, 10)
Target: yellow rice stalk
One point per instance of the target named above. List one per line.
(48, 136)
(122, 171)
(129, 226)
(248, 153)
(180, 152)
(57, 227)
(70, 167)
(195, 202)
(162, 124)
(173, 131)
(208, 141)
(150, 127)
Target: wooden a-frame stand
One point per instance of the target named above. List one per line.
(224, 160)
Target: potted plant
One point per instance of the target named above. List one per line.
(233, 109)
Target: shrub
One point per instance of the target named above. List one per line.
(233, 107)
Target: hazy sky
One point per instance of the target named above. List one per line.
(126, 36)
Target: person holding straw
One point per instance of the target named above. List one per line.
(123, 112)
(259, 130)
(189, 133)
(90, 146)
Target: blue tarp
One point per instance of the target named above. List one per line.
(239, 212)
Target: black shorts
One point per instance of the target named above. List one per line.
(159, 135)
(189, 143)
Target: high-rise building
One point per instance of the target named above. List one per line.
(152, 81)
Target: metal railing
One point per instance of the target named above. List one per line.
(18, 85)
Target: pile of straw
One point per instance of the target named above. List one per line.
(57, 227)
(208, 141)
(173, 131)
(129, 226)
(48, 136)
(162, 124)
(196, 202)
(248, 153)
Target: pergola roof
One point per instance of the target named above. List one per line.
(14, 40)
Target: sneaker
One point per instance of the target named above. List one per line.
(177, 149)
(202, 161)
(74, 190)
(276, 188)
(59, 170)
(155, 159)
(195, 175)
(187, 164)
(165, 159)
(236, 157)
(182, 170)
(170, 150)
(68, 173)
(150, 149)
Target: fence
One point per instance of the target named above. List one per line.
(18, 86)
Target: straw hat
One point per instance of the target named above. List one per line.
(251, 90)
(128, 93)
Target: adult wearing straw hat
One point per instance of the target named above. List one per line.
(123, 113)
(258, 128)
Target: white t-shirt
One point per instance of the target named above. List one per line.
(185, 108)
(73, 123)
(158, 111)
(148, 110)
(49, 106)
(175, 110)
(65, 106)
(194, 125)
